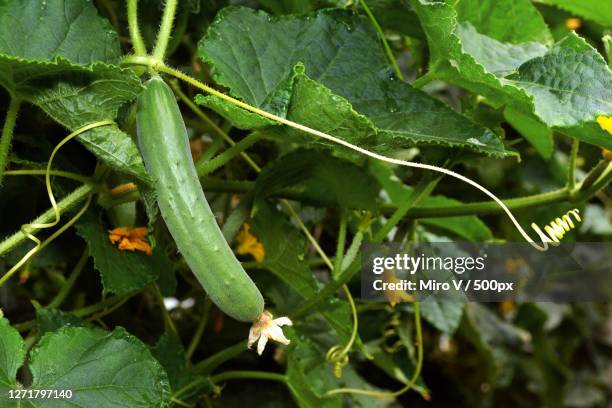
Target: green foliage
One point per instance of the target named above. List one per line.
(65, 359)
(496, 90)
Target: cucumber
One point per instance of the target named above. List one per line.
(164, 145)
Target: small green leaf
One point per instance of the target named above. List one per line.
(321, 178)
(170, 353)
(121, 271)
(444, 315)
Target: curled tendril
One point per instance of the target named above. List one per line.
(390, 333)
(338, 358)
(27, 229)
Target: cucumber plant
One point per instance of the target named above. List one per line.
(319, 127)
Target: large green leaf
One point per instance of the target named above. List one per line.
(121, 271)
(58, 55)
(125, 369)
(102, 369)
(566, 86)
(332, 60)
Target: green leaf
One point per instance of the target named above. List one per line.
(532, 129)
(170, 353)
(397, 15)
(309, 376)
(12, 355)
(65, 360)
(57, 55)
(320, 177)
(494, 339)
(468, 227)
(37, 30)
(50, 320)
(594, 10)
(336, 63)
(444, 315)
(124, 368)
(566, 86)
(121, 271)
(496, 57)
(493, 17)
(570, 84)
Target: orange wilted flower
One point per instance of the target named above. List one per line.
(248, 244)
(130, 239)
(397, 295)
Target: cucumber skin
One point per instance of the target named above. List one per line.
(164, 145)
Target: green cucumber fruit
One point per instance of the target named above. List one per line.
(164, 146)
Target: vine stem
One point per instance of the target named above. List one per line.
(67, 203)
(571, 174)
(7, 133)
(59, 173)
(195, 340)
(137, 41)
(67, 286)
(383, 40)
(165, 29)
(208, 365)
(254, 375)
(206, 167)
(159, 66)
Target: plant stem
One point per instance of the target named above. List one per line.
(383, 39)
(78, 268)
(165, 29)
(137, 41)
(206, 167)
(64, 205)
(423, 189)
(208, 365)
(571, 174)
(423, 80)
(168, 323)
(7, 133)
(195, 340)
(254, 375)
(341, 243)
(59, 173)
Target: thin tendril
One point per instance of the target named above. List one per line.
(159, 66)
(39, 245)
